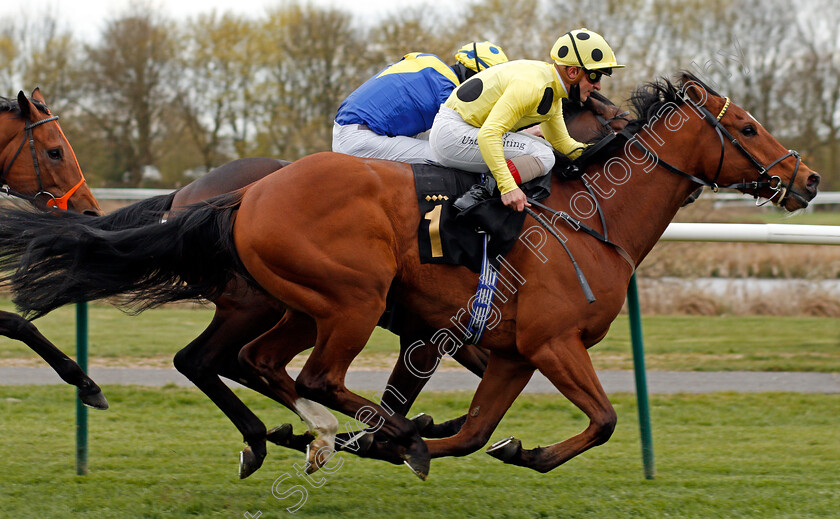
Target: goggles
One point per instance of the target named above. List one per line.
(595, 75)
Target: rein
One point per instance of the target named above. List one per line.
(619, 116)
(51, 200)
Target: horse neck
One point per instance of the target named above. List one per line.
(638, 210)
(8, 131)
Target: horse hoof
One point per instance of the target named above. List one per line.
(420, 467)
(505, 449)
(280, 435)
(421, 421)
(419, 461)
(249, 462)
(318, 453)
(95, 400)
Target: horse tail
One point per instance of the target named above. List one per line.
(50, 260)
(145, 212)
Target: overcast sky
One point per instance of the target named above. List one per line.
(86, 17)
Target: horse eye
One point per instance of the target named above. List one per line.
(54, 154)
(749, 131)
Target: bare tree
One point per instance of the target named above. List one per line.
(818, 66)
(310, 59)
(217, 75)
(39, 52)
(129, 86)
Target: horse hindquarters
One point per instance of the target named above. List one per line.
(314, 256)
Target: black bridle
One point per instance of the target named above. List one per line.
(773, 182)
(41, 194)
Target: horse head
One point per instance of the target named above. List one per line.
(594, 119)
(750, 160)
(48, 175)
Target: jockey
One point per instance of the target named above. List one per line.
(383, 117)
(474, 130)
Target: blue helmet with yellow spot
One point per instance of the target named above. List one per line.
(479, 55)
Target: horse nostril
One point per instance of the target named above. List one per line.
(92, 212)
(813, 180)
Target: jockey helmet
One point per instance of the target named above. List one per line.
(479, 55)
(584, 48)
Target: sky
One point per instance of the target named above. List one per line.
(86, 17)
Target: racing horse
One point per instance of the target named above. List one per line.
(38, 165)
(332, 250)
(243, 314)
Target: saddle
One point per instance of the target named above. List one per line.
(447, 236)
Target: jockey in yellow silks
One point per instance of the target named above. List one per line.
(385, 117)
(476, 128)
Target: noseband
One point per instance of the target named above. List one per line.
(49, 200)
(773, 182)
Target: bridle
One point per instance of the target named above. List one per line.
(774, 183)
(766, 181)
(619, 116)
(50, 201)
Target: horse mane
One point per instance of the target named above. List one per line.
(11, 106)
(647, 100)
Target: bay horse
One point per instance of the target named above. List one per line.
(332, 235)
(242, 314)
(38, 165)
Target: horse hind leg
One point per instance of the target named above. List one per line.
(568, 366)
(266, 359)
(214, 353)
(16, 327)
(340, 339)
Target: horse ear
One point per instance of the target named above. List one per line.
(24, 104)
(695, 91)
(37, 96)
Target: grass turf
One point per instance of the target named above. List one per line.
(167, 452)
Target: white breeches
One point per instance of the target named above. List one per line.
(455, 144)
(358, 140)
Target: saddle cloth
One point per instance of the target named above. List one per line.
(449, 237)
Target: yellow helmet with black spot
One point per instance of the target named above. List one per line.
(584, 48)
(479, 55)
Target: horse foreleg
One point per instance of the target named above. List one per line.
(475, 359)
(503, 380)
(16, 327)
(568, 366)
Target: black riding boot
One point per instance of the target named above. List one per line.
(476, 194)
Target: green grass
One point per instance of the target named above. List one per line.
(685, 343)
(726, 343)
(113, 333)
(168, 452)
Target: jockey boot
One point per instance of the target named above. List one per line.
(476, 194)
